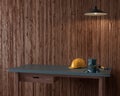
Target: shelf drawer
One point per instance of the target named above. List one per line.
(28, 77)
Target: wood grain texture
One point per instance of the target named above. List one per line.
(55, 32)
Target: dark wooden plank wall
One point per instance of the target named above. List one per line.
(55, 32)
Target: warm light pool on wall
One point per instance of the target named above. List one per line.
(95, 12)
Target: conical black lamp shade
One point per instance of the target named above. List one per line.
(95, 12)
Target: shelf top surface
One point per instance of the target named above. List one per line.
(58, 70)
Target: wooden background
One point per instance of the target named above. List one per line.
(55, 32)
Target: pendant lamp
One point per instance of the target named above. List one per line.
(95, 12)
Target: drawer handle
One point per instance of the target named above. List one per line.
(36, 77)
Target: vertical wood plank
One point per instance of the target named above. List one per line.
(1, 82)
(16, 84)
(0, 34)
(55, 32)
